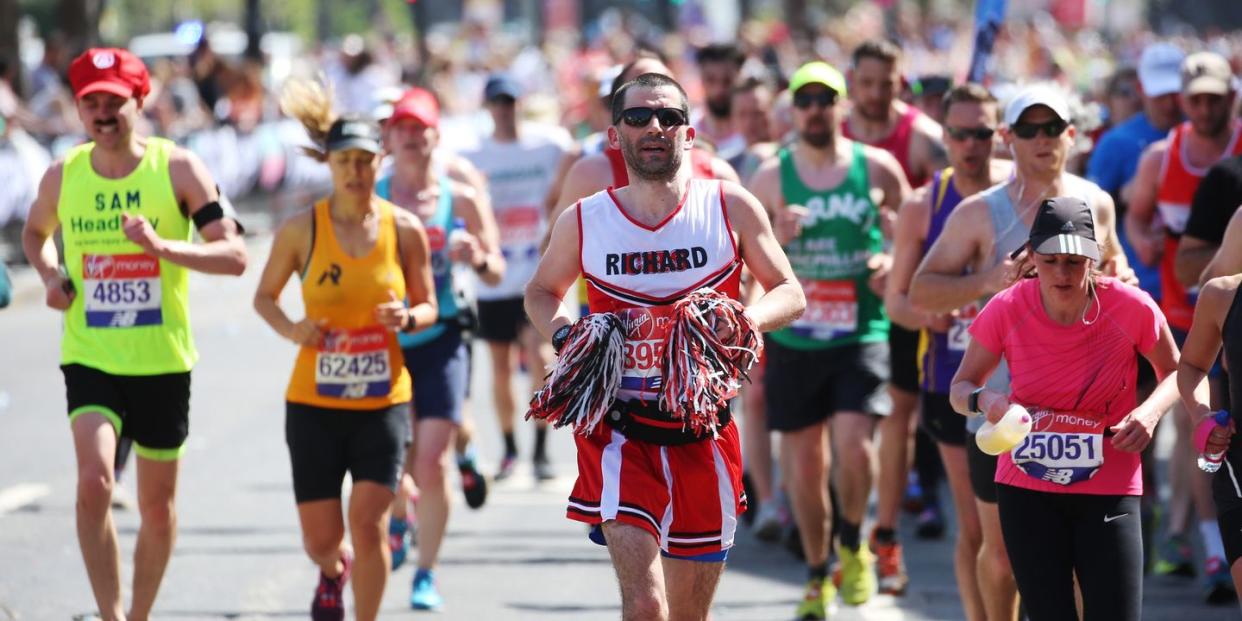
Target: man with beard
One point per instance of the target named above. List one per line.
(664, 498)
(1168, 175)
(826, 372)
(125, 204)
(878, 118)
(719, 65)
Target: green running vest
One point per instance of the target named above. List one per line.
(131, 312)
(841, 230)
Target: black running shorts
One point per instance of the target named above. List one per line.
(151, 410)
(326, 443)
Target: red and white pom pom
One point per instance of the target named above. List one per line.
(584, 379)
(700, 371)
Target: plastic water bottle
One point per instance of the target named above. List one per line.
(1210, 462)
(459, 231)
(1006, 434)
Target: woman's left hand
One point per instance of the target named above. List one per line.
(393, 313)
(1135, 431)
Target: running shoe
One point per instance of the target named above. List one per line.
(507, 466)
(816, 600)
(121, 499)
(1218, 583)
(890, 567)
(398, 539)
(1175, 558)
(857, 575)
(329, 602)
(930, 523)
(543, 470)
(424, 595)
(770, 521)
(473, 483)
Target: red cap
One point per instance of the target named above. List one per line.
(417, 103)
(109, 70)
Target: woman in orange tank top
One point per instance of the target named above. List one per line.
(347, 405)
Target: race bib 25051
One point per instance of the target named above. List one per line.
(121, 290)
(352, 364)
(1062, 448)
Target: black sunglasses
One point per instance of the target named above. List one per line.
(1051, 129)
(825, 99)
(641, 116)
(963, 133)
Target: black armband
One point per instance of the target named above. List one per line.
(216, 210)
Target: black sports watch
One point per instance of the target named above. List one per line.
(972, 403)
(560, 336)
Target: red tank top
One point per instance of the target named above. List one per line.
(897, 143)
(1178, 182)
(700, 166)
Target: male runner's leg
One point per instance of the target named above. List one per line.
(94, 439)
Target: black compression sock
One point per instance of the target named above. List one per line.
(849, 536)
(510, 444)
(817, 572)
(541, 442)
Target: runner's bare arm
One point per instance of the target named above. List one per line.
(927, 151)
(1134, 432)
(558, 268)
(1112, 258)
(765, 185)
(1194, 255)
(939, 284)
(420, 289)
(908, 236)
(1141, 206)
(1203, 344)
(886, 174)
(484, 247)
(41, 224)
(587, 176)
(223, 251)
(783, 300)
(463, 170)
(553, 199)
(723, 171)
(978, 364)
(289, 255)
(1228, 259)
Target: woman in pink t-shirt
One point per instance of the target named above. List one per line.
(1069, 494)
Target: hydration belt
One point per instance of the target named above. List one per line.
(643, 420)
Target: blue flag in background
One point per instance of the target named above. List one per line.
(989, 14)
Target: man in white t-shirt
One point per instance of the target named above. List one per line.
(520, 167)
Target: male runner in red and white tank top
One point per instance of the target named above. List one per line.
(668, 511)
(1168, 175)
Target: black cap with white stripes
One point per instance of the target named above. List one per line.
(1064, 225)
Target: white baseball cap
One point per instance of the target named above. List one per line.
(1036, 95)
(1159, 69)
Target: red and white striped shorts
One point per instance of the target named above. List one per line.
(688, 497)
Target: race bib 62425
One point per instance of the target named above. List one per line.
(352, 364)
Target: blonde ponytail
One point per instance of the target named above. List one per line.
(310, 101)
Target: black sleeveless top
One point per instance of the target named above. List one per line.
(1231, 346)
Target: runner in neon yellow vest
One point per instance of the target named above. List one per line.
(124, 204)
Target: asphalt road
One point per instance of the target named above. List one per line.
(239, 553)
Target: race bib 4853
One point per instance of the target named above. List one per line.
(121, 290)
(352, 364)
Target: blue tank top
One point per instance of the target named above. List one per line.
(439, 227)
(940, 353)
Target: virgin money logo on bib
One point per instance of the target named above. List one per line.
(436, 238)
(97, 266)
(640, 324)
